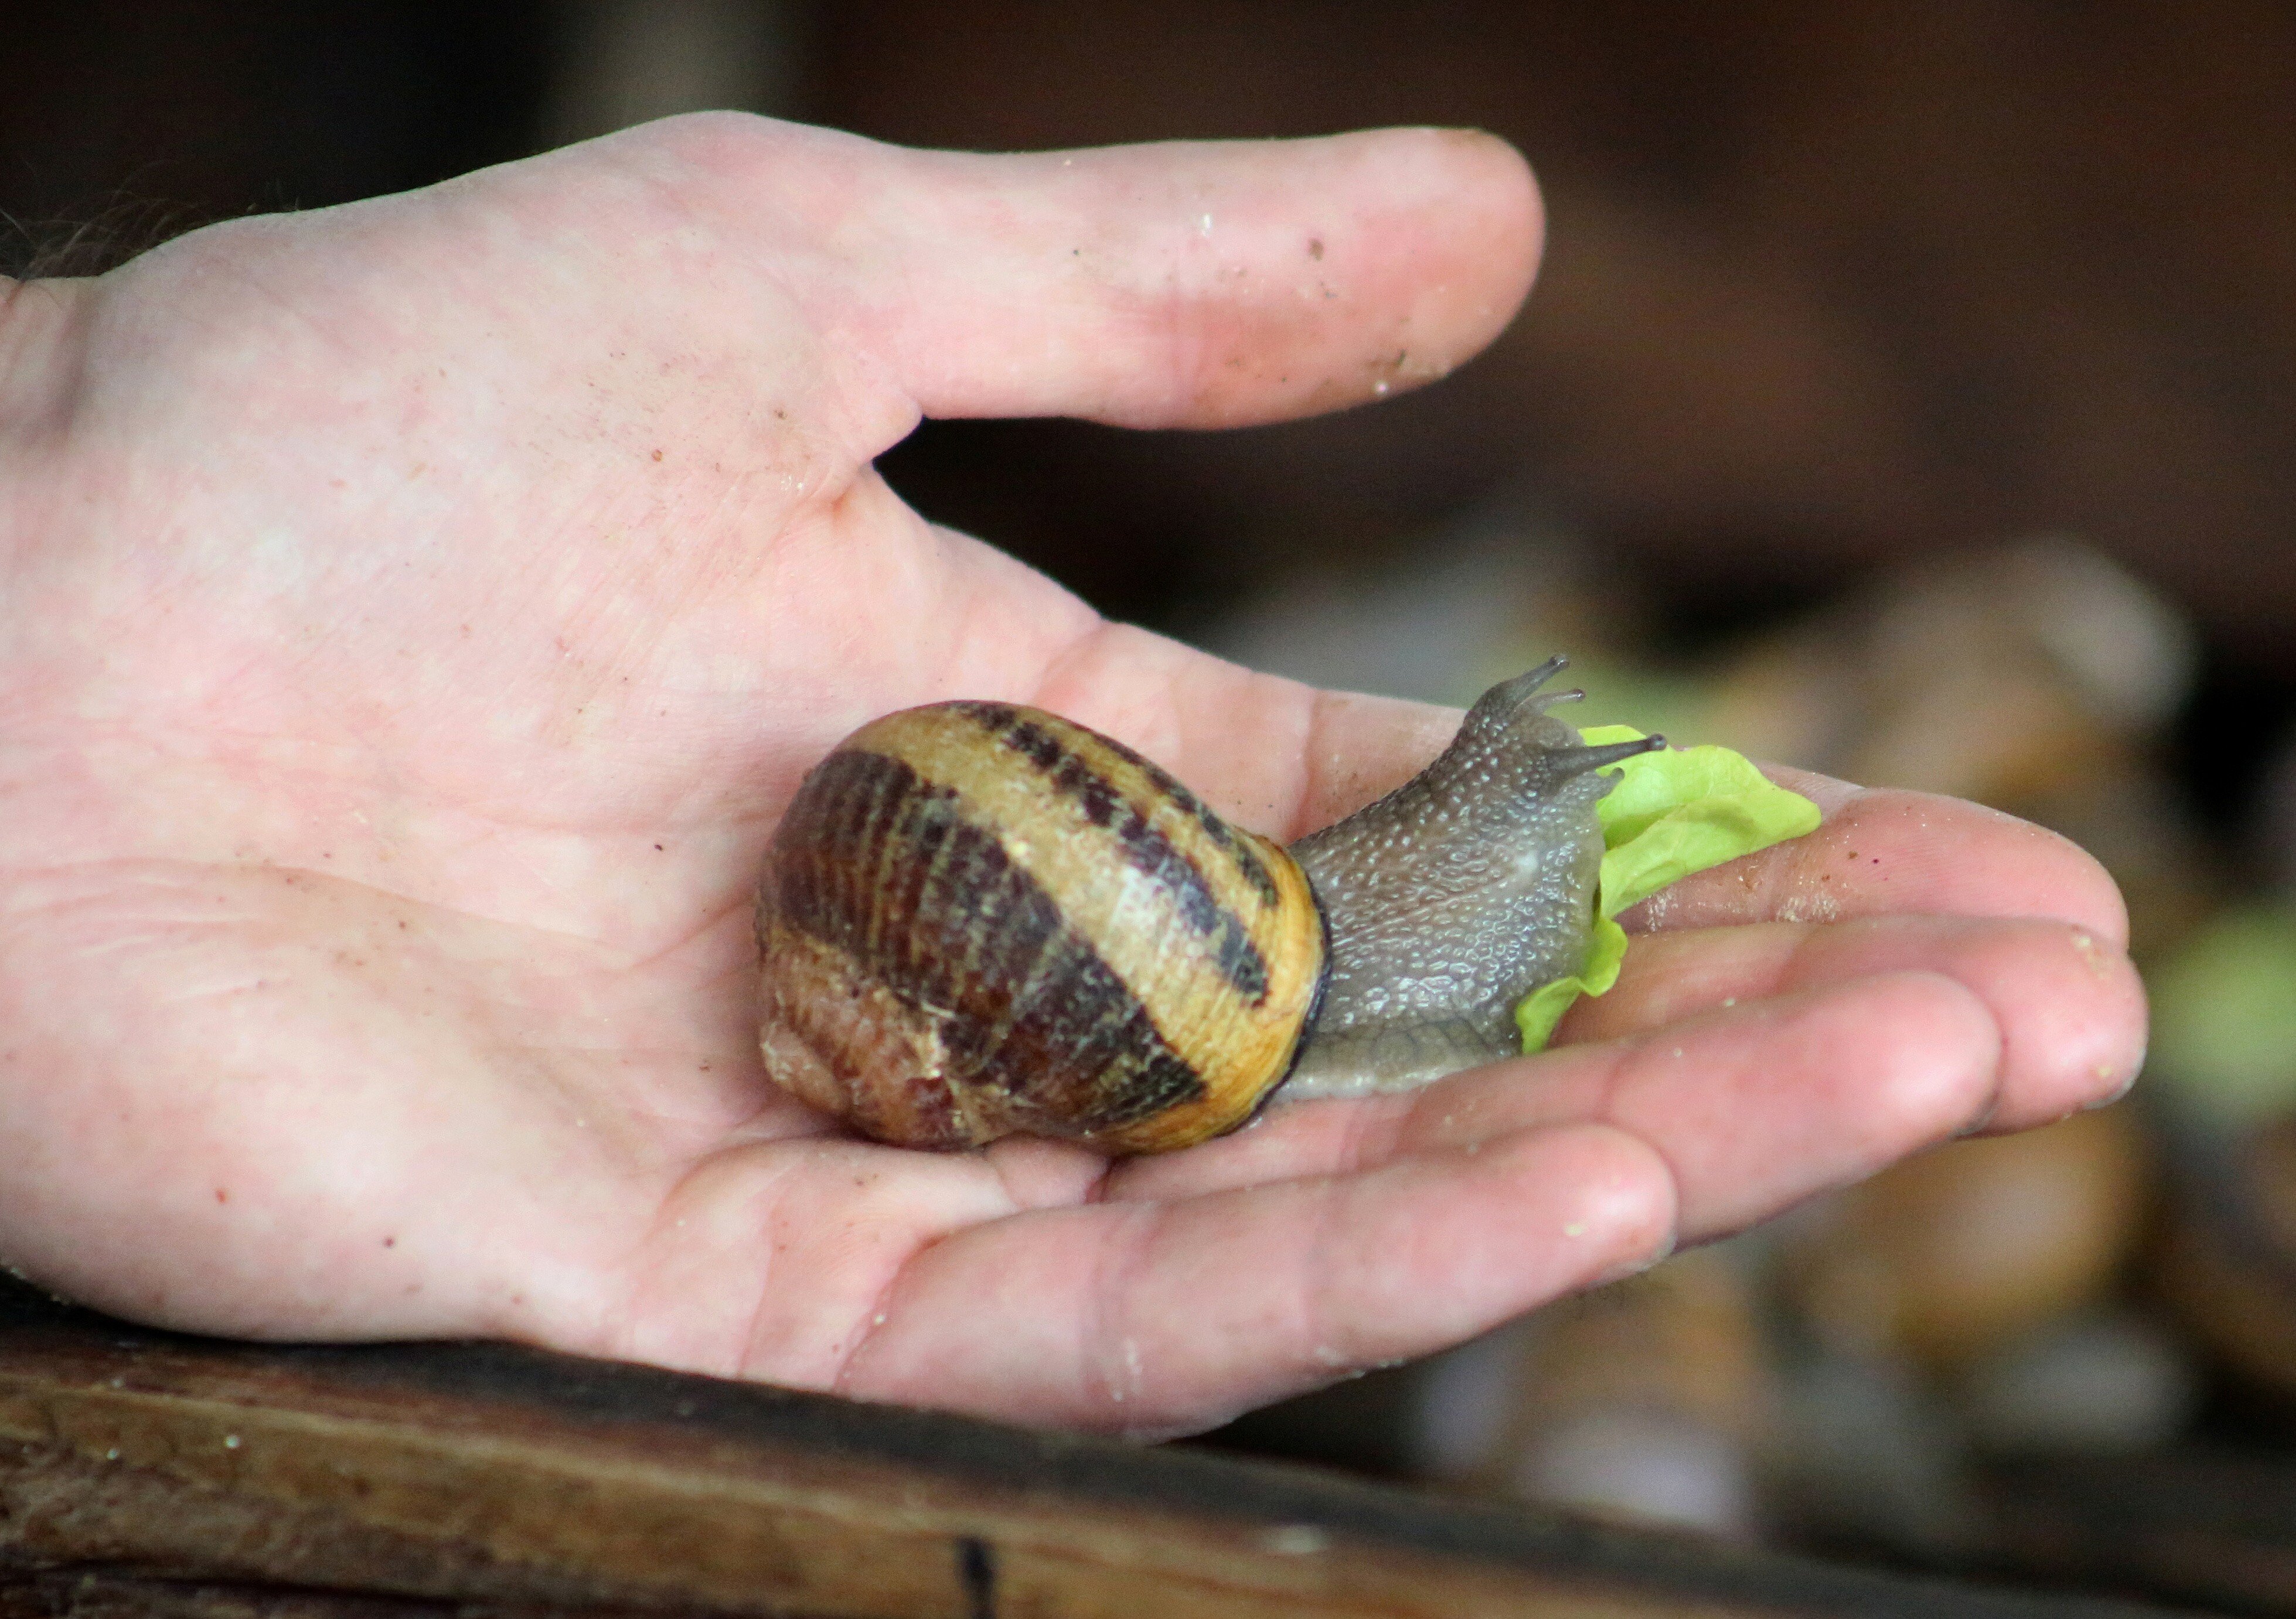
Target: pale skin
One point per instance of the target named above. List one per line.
(414, 617)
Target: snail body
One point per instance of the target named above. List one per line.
(979, 919)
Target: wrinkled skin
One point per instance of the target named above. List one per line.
(414, 615)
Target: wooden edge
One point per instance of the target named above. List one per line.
(87, 1594)
(2198, 1522)
(143, 1468)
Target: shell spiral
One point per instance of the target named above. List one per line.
(978, 920)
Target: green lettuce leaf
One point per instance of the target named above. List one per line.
(1537, 1012)
(1673, 813)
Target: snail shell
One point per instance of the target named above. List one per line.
(980, 920)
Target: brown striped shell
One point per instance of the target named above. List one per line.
(980, 920)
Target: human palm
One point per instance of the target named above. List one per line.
(414, 617)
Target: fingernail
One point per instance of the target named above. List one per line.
(1981, 1122)
(1636, 1267)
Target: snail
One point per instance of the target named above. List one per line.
(979, 919)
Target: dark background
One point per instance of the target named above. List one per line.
(1827, 285)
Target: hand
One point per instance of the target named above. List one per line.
(415, 615)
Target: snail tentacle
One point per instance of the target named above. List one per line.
(1456, 896)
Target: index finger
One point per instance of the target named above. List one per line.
(1285, 759)
(1883, 851)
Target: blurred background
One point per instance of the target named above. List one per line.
(1908, 393)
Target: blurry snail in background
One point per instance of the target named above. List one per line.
(979, 919)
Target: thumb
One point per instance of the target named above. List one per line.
(1197, 284)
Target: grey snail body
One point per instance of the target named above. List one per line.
(979, 919)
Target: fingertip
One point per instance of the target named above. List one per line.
(1888, 850)
(1947, 1081)
(1758, 1106)
(1627, 1209)
(1345, 270)
(2036, 872)
(2095, 903)
(1451, 229)
(1476, 203)
(1471, 1235)
(2067, 1005)
(1188, 285)
(1878, 1067)
(1515, 222)
(2081, 1037)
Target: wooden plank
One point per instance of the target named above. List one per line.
(2197, 1523)
(147, 1473)
(80, 1594)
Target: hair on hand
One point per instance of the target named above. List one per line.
(91, 242)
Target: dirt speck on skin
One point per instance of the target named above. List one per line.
(1809, 908)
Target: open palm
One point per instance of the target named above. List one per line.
(415, 615)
